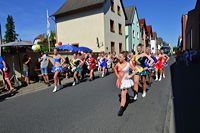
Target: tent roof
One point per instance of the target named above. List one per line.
(16, 44)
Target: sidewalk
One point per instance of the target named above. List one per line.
(186, 90)
(38, 87)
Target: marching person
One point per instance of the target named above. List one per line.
(142, 70)
(81, 56)
(99, 62)
(103, 64)
(5, 69)
(58, 61)
(151, 68)
(124, 81)
(165, 60)
(159, 65)
(26, 68)
(67, 67)
(44, 62)
(76, 65)
(92, 62)
(114, 59)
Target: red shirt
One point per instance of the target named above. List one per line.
(92, 63)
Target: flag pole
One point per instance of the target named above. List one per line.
(0, 40)
(48, 30)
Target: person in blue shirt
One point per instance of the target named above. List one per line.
(57, 69)
(5, 69)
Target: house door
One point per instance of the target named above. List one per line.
(75, 44)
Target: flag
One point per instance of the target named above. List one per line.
(48, 25)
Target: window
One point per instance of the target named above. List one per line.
(112, 6)
(112, 26)
(112, 47)
(119, 10)
(120, 47)
(120, 29)
(76, 44)
(138, 35)
(133, 34)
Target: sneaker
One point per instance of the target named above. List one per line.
(55, 89)
(163, 75)
(135, 97)
(160, 79)
(156, 78)
(74, 83)
(121, 111)
(144, 94)
(102, 75)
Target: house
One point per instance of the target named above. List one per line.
(97, 24)
(149, 35)
(132, 29)
(180, 42)
(184, 24)
(39, 39)
(154, 45)
(193, 28)
(144, 34)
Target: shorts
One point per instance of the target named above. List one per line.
(6, 75)
(44, 71)
(25, 73)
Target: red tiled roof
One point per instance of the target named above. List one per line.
(142, 23)
(149, 30)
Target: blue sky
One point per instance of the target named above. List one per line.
(30, 15)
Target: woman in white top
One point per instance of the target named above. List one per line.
(124, 81)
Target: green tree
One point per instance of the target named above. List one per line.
(10, 34)
(175, 49)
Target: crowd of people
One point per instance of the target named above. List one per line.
(130, 68)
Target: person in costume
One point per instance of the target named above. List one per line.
(103, 64)
(142, 70)
(58, 61)
(99, 62)
(92, 62)
(165, 60)
(109, 62)
(159, 65)
(150, 68)
(124, 80)
(114, 59)
(67, 68)
(76, 64)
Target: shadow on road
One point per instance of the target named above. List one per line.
(186, 90)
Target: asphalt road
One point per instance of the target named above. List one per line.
(90, 107)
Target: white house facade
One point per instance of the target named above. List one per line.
(98, 24)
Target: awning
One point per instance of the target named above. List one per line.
(16, 44)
